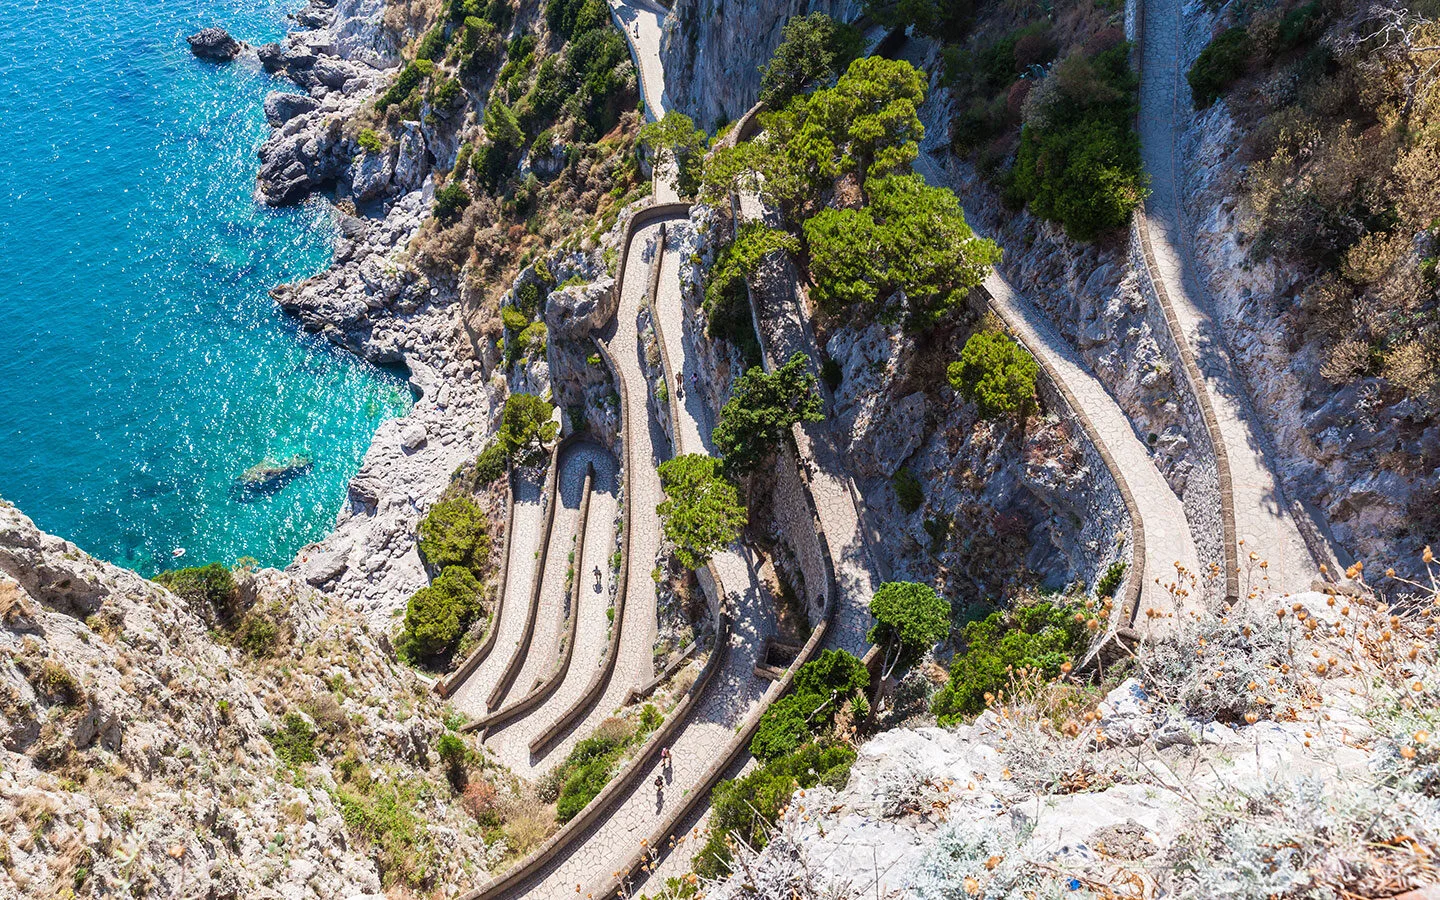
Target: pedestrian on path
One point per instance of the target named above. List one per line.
(665, 757)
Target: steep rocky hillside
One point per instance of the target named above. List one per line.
(251, 739)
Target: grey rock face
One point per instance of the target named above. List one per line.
(214, 44)
(281, 107)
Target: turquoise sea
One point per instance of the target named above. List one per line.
(143, 367)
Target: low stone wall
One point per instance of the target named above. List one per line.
(671, 382)
(447, 686)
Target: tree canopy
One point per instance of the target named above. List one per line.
(455, 532)
(813, 50)
(436, 616)
(760, 411)
(702, 511)
(677, 135)
(996, 374)
(911, 238)
(909, 619)
(526, 426)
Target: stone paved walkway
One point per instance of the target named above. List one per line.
(511, 741)
(1167, 532)
(640, 20)
(1263, 517)
(470, 698)
(735, 689)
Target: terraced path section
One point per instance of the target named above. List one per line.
(1264, 519)
(471, 696)
(1168, 542)
(641, 21)
(510, 741)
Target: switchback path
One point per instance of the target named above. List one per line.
(641, 21)
(1263, 516)
(1167, 532)
(529, 521)
(511, 741)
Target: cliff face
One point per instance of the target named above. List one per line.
(713, 50)
(148, 747)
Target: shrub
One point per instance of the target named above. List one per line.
(1039, 638)
(534, 337)
(432, 45)
(514, 319)
(761, 410)
(907, 490)
(1109, 582)
(451, 200)
(370, 141)
(455, 532)
(909, 619)
(405, 83)
(481, 801)
(491, 463)
(212, 585)
(746, 807)
(386, 815)
(294, 741)
(819, 689)
(1220, 64)
(702, 511)
(257, 634)
(437, 615)
(996, 374)
(447, 95)
(1079, 157)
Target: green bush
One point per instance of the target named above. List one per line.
(370, 141)
(455, 532)
(432, 45)
(1109, 582)
(996, 374)
(532, 340)
(387, 816)
(702, 511)
(761, 409)
(210, 584)
(910, 618)
(450, 201)
(405, 83)
(436, 616)
(1041, 638)
(821, 686)
(583, 785)
(491, 463)
(907, 490)
(747, 807)
(514, 319)
(1079, 157)
(447, 95)
(1220, 64)
(257, 634)
(294, 741)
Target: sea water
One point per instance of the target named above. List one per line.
(143, 366)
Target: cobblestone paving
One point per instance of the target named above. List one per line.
(1263, 518)
(511, 742)
(529, 519)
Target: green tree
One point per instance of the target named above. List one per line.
(875, 105)
(813, 50)
(677, 135)
(761, 410)
(526, 426)
(455, 532)
(945, 20)
(436, 616)
(996, 374)
(702, 511)
(909, 619)
(911, 238)
(450, 201)
(1220, 64)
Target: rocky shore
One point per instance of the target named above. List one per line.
(371, 301)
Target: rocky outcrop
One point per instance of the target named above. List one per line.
(214, 44)
(113, 683)
(281, 107)
(712, 51)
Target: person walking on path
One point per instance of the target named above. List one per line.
(665, 758)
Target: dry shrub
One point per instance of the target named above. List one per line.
(527, 821)
(1411, 367)
(480, 799)
(1348, 359)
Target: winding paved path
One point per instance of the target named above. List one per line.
(1167, 532)
(1263, 515)
(641, 21)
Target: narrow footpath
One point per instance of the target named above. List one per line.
(1264, 518)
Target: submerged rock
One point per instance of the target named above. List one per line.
(214, 44)
(268, 476)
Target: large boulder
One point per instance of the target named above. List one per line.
(577, 310)
(214, 44)
(281, 107)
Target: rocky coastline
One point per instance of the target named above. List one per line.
(371, 301)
